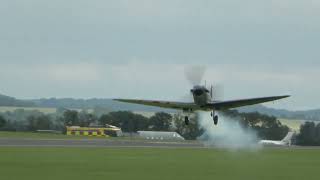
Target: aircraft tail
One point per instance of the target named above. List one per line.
(288, 137)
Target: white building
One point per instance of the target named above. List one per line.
(160, 135)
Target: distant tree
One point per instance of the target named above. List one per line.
(160, 122)
(107, 119)
(60, 111)
(85, 118)
(42, 122)
(71, 118)
(252, 119)
(267, 127)
(272, 128)
(3, 122)
(126, 120)
(99, 111)
(317, 134)
(309, 134)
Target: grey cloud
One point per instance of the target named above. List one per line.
(279, 34)
(113, 31)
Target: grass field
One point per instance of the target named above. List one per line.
(148, 163)
(36, 135)
(293, 123)
(54, 110)
(41, 109)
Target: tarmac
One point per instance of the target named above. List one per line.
(27, 142)
(115, 143)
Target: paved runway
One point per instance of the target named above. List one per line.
(28, 142)
(93, 143)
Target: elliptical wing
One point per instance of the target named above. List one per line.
(223, 105)
(162, 104)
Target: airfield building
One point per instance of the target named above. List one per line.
(107, 131)
(160, 135)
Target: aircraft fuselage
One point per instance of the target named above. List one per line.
(201, 95)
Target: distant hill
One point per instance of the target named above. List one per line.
(92, 103)
(116, 106)
(282, 113)
(119, 106)
(10, 101)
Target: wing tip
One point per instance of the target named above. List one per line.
(119, 100)
(285, 96)
(126, 100)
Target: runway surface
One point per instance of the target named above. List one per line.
(107, 143)
(25, 142)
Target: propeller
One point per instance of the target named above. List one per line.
(194, 74)
(217, 92)
(187, 97)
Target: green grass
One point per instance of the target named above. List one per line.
(148, 163)
(41, 109)
(36, 135)
(292, 123)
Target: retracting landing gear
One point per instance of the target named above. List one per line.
(186, 120)
(215, 118)
(187, 113)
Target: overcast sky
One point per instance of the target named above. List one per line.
(140, 48)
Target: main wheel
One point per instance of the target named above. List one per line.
(215, 120)
(186, 120)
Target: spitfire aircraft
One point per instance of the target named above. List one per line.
(203, 100)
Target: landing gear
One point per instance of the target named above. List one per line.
(187, 113)
(186, 120)
(215, 119)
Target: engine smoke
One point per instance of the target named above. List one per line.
(228, 134)
(194, 74)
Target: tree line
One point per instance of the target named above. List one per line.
(309, 134)
(267, 127)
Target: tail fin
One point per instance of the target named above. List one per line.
(288, 137)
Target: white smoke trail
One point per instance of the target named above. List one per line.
(228, 134)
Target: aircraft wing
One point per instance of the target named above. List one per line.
(163, 104)
(218, 105)
(223, 105)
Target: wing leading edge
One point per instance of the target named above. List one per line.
(163, 104)
(223, 105)
(219, 105)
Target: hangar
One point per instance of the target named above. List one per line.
(160, 135)
(107, 130)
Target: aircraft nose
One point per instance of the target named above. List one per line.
(197, 92)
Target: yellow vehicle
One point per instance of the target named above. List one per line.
(108, 131)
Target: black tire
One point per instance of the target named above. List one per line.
(186, 120)
(215, 120)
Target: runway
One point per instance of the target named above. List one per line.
(107, 143)
(27, 142)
